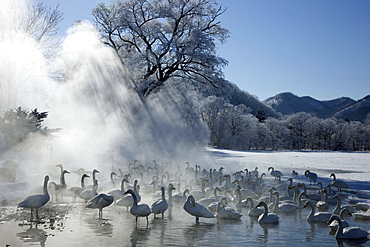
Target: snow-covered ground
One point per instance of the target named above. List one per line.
(352, 167)
(346, 165)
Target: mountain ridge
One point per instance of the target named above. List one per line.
(343, 108)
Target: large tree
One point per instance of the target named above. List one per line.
(163, 39)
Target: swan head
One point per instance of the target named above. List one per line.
(129, 191)
(334, 217)
(261, 203)
(85, 176)
(308, 203)
(270, 168)
(65, 171)
(191, 200)
(171, 187)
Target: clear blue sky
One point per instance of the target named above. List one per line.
(319, 48)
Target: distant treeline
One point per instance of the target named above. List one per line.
(234, 127)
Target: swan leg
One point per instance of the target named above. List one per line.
(37, 214)
(31, 214)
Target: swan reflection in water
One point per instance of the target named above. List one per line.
(263, 238)
(33, 235)
(351, 242)
(139, 236)
(100, 226)
(196, 232)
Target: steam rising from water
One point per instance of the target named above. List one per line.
(22, 64)
(103, 121)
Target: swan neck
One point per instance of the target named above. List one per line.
(134, 197)
(123, 185)
(265, 213)
(135, 185)
(83, 182)
(312, 213)
(111, 179)
(239, 195)
(163, 194)
(62, 178)
(45, 187)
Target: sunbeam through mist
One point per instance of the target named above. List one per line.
(91, 98)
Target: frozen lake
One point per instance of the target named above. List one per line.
(66, 224)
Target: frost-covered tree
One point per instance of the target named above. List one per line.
(299, 127)
(36, 21)
(17, 125)
(163, 39)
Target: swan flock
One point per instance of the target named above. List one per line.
(209, 194)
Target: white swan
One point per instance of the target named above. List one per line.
(170, 199)
(161, 205)
(118, 193)
(348, 232)
(323, 205)
(59, 189)
(315, 196)
(283, 207)
(316, 217)
(126, 201)
(224, 212)
(197, 210)
(253, 211)
(34, 202)
(239, 202)
(110, 185)
(311, 175)
(94, 172)
(206, 201)
(75, 191)
(100, 201)
(88, 194)
(338, 183)
(181, 197)
(277, 174)
(138, 210)
(266, 217)
(199, 194)
(335, 224)
(339, 207)
(213, 206)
